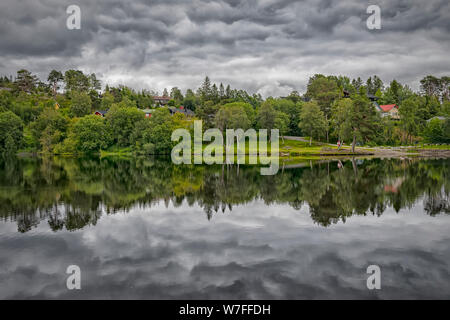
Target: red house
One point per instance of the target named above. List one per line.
(100, 113)
(389, 110)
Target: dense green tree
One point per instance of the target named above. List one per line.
(373, 85)
(94, 83)
(96, 99)
(232, 116)
(11, 132)
(121, 122)
(434, 131)
(81, 104)
(389, 132)
(190, 100)
(26, 81)
(409, 117)
(432, 106)
(221, 91)
(445, 88)
(228, 92)
(312, 121)
(144, 100)
(248, 108)
(54, 78)
(49, 129)
(176, 95)
(107, 101)
(395, 93)
(325, 91)
(282, 123)
(292, 110)
(205, 91)
(90, 134)
(153, 136)
(207, 112)
(294, 96)
(360, 120)
(357, 83)
(214, 93)
(266, 116)
(76, 80)
(446, 130)
(445, 109)
(340, 112)
(6, 100)
(430, 86)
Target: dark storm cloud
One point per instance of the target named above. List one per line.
(267, 46)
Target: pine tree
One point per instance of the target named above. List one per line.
(214, 93)
(205, 89)
(25, 80)
(221, 91)
(228, 92)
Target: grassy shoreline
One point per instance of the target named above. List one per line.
(289, 149)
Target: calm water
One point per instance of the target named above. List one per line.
(144, 228)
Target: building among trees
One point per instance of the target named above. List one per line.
(163, 100)
(389, 110)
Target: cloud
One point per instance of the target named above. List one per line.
(254, 252)
(270, 47)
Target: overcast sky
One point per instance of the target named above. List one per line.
(270, 47)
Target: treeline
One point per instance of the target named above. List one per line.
(56, 115)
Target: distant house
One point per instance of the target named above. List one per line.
(388, 110)
(148, 112)
(371, 97)
(181, 109)
(100, 113)
(305, 99)
(172, 110)
(161, 100)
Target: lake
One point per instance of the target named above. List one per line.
(145, 228)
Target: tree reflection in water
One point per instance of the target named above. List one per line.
(74, 192)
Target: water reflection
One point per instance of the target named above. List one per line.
(74, 192)
(143, 228)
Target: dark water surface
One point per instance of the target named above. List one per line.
(144, 228)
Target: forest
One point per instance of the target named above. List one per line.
(56, 115)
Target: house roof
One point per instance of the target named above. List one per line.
(147, 110)
(388, 107)
(372, 97)
(161, 98)
(181, 110)
(102, 112)
(439, 118)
